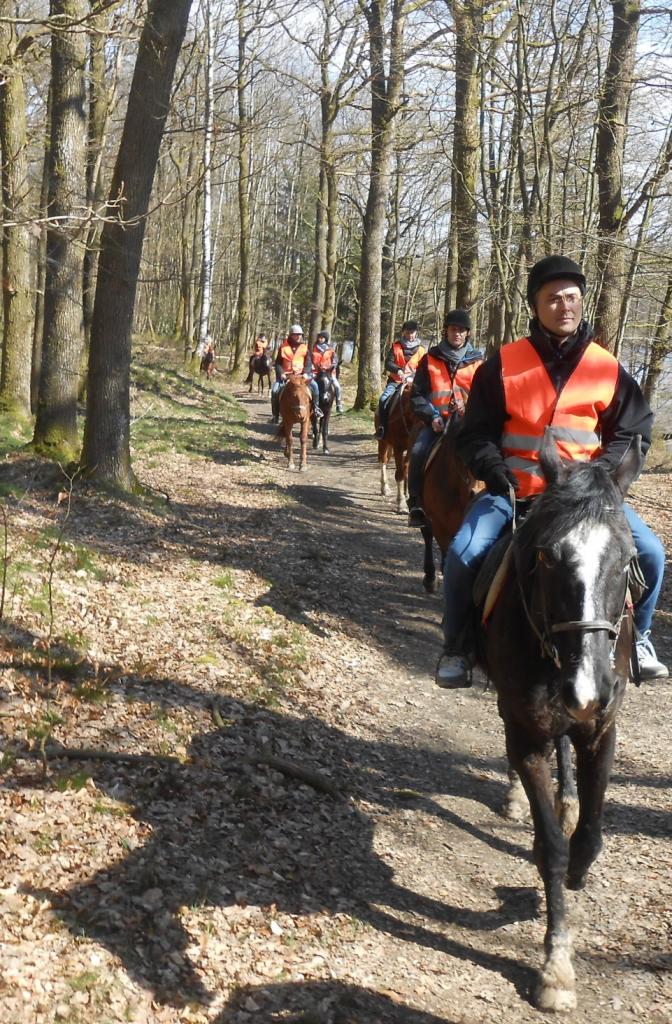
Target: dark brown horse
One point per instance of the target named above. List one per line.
(396, 442)
(327, 392)
(447, 489)
(261, 365)
(557, 648)
(295, 407)
(208, 362)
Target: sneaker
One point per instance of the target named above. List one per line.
(417, 517)
(317, 413)
(453, 672)
(339, 410)
(649, 666)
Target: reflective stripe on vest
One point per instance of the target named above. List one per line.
(449, 393)
(323, 360)
(400, 359)
(532, 404)
(293, 360)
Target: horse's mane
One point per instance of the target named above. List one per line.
(585, 493)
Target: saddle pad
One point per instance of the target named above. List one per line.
(491, 576)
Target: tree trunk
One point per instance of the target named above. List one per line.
(98, 109)
(16, 242)
(206, 233)
(106, 452)
(611, 136)
(662, 346)
(385, 100)
(41, 269)
(243, 324)
(56, 421)
(466, 151)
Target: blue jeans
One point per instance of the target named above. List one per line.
(482, 526)
(279, 385)
(419, 453)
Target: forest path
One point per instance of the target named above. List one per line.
(259, 610)
(454, 902)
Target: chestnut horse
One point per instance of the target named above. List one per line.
(447, 489)
(262, 365)
(557, 647)
(396, 442)
(295, 407)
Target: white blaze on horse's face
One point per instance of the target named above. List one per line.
(585, 547)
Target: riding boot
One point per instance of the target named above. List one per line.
(416, 513)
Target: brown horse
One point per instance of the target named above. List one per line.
(396, 442)
(260, 365)
(295, 407)
(447, 489)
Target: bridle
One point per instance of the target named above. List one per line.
(549, 630)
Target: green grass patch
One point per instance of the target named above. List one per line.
(71, 781)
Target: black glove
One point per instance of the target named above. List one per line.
(499, 479)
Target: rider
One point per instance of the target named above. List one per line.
(325, 360)
(260, 349)
(294, 358)
(556, 376)
(401, 362)
(440, 387)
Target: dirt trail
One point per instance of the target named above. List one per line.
(455, 909)
(251, 899)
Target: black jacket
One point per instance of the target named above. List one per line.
(479, 442)
(422, 385)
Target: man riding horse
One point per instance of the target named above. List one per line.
(401, 362)
(260, 349)
(560, 377)
(325, 360)
(294, 358)
(440, 388)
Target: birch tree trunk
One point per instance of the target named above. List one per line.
(242, 85)
(106, 454)
(206, 236)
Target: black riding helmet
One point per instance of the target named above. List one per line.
(551, 268)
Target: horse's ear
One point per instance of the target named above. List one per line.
(630, 466)
(551, 463)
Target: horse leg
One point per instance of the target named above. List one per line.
(400, 478)
(566, 799)
(593, 765)
(516, 807)
(303, 463)
(289, 448)
(556, 989)
(325, 431)
(428, 567)
(383, 457)
(316, 431)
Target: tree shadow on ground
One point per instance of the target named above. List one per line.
(226, 833)
(319, 1002)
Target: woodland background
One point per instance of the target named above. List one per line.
(190, 168)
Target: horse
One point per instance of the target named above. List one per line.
(557, 647)
(295, 407)
(327, 397)
(400, 419)
(208, 362)
(261, 365)
(447, 489)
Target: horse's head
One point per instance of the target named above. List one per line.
(573, 555)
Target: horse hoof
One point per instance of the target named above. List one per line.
(429, 584)
(325, 451)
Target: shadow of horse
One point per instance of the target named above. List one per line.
(396, 443)
(295, 407)
(320, 426)
(262, 365)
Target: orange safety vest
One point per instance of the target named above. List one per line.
(450, 391)
(532, 404)
(323, 361)
(291, 359)
(400, 359)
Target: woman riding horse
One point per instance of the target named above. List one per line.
(325, 360)
(294, 358)
(440, 388)
(558, 376)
